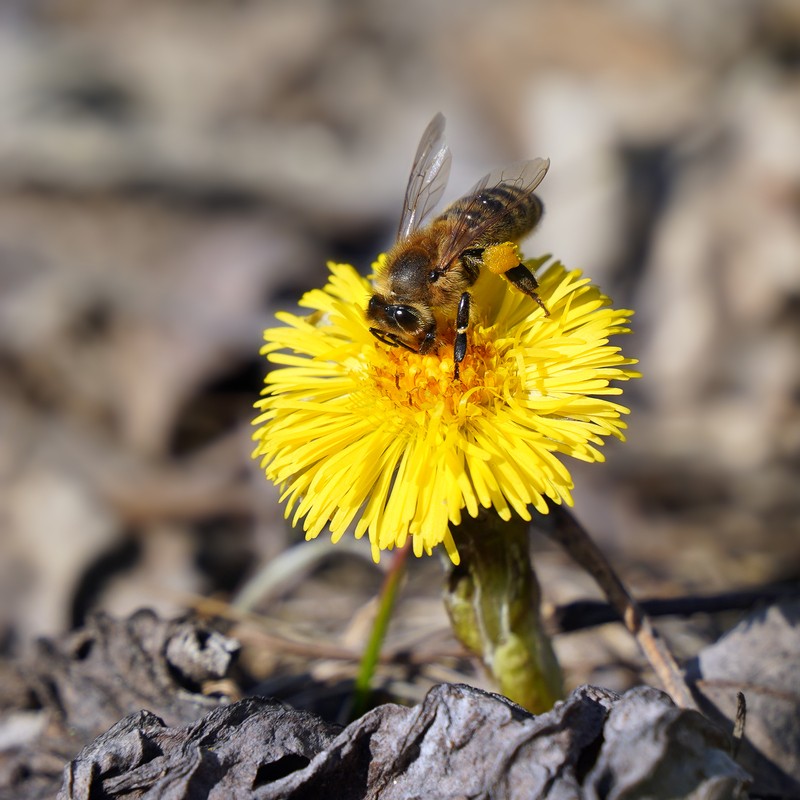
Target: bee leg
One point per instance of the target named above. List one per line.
(462, 325)
(472, 261)
(523, 279)
(392, 339)
(430, 339)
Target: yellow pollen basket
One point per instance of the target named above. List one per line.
(500, 258)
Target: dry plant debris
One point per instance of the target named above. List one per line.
(460, 742)
(123, 704)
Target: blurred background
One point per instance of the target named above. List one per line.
(172, 173)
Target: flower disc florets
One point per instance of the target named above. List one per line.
(355, 431)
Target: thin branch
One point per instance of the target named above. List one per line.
(583, 614)
(737, 737)
(562, 526)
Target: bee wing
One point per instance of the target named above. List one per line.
(428, 177)
(525, 175)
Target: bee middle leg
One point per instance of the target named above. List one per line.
(462, 325)
(523, 279)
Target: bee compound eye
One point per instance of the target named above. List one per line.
(405, 318)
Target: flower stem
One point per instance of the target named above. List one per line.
(372, 651)
(493, 601)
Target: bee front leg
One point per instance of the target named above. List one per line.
(429, 339)
(523, 279)
(392, 339)
(462, 325)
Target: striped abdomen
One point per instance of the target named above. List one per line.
(508, 212)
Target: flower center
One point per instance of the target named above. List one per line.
(423, 382)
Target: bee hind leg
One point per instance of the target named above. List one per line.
(462, 325)
(523, 279)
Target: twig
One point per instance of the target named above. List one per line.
(568, 532)
(583, 614)
(290, 567)
(738, 725)
(261, 629)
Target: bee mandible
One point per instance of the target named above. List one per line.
(424, 284)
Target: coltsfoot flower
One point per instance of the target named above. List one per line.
(357, 432)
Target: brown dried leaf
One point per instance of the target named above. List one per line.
(759, 657)
(461, 742)
(76, 687)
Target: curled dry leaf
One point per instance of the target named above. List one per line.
(460, 742)
(759, 658)
(76, 687)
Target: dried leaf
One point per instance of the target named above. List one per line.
(461, 742)
(759, 658)
(76, 687)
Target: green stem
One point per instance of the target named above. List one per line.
(372, 651)
(493, 601)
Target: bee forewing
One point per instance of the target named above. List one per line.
(525, 175)
(472, 222)
(428, 178)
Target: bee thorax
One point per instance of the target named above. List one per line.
(409, 273)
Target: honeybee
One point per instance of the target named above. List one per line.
(424, 284)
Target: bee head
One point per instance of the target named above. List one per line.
(398, 324)
(404, 318)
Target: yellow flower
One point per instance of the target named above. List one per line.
(356, 431)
